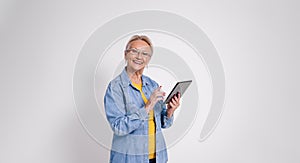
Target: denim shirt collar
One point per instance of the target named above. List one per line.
(126, 81)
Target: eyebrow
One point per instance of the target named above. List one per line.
(141, 48)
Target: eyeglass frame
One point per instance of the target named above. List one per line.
(138, 52)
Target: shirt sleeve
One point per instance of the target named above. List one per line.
(121, 121)
(166, 122)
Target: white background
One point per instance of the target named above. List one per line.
(258, 42)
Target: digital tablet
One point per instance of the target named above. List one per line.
(179, 87)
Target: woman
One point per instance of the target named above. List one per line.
(135, 110)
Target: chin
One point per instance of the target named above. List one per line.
(137, 68)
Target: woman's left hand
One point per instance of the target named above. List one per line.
(173, 105)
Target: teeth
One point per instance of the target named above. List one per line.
(137, 62)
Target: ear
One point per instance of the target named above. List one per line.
(124, 54)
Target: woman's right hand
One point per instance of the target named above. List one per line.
(156, 95)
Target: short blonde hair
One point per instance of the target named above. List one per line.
(140, 37)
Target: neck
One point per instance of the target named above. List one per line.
(135, 76)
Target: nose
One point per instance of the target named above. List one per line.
(139, 55)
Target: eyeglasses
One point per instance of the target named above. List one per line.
(135, 52)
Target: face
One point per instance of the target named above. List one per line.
(138, 55)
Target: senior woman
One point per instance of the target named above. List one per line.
(135, 110)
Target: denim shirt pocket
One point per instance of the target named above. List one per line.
(130, 108)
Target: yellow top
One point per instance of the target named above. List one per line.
(151, 124)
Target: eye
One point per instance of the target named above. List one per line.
(134, 51)
(145, 53)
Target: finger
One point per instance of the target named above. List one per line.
(174, 107)
(174, 102)
(159, 88)
(171, 104)
(159, 98)
(159, 93)
(176, 99)
(156, 93)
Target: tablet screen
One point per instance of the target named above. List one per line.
(179, 87)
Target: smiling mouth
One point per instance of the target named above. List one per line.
(137, 62)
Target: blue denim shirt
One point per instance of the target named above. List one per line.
(128, 119)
